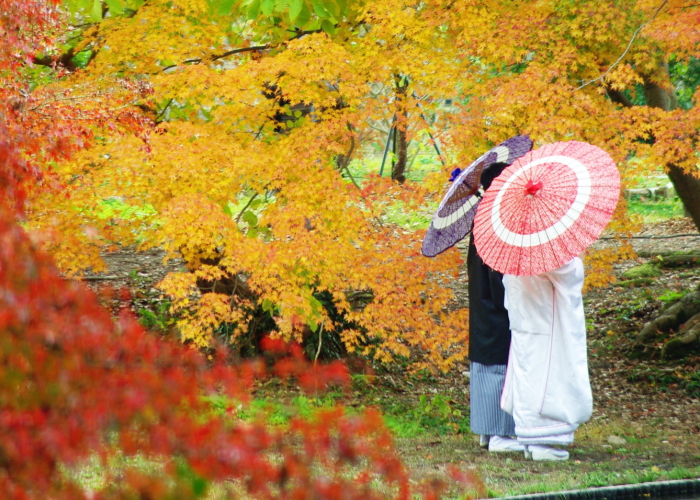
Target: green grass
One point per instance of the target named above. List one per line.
(570, 480)
(111, 208)
(425, 163)
(558, 479)
(274, 410)
(396, 212)
(416, 171)
(655, 210)
(428, 441)
(435, 415)
(413, 220)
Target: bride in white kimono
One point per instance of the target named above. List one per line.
(547, 389)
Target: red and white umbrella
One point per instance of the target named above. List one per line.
(546, 208)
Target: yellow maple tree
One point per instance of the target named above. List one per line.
(258, 106)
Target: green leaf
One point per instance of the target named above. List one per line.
(328, 27)
(268, 306)
(254, 9)
(316, 306)
(295, 9)
(342, 7)
(304, 15)
(332, 7)
(81, 59)
(250, 218)
(282, 5)
(78, 6)
(266, 7)
(252, 233)
(96, 12)
(255, 204)
(226, 7)
(227, 209)
(320, 9)
(116, 7)
(265, 232)
(313, 25)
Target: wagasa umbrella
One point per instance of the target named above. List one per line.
(454, 218)
(546, 208)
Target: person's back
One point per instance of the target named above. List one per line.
(547, 388)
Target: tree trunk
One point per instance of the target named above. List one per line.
(398, 169)
(688, 337)
(688, 189)
(687, 186)
(670, 319)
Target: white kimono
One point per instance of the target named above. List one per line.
(547, 389)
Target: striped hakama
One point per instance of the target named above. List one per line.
(485, 387)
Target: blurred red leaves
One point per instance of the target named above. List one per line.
(292, 363)
(74, 384)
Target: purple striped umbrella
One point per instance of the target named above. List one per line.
(454, 218)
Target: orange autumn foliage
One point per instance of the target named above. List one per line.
(79, 386)
(269, 203)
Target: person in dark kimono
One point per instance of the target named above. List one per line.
(489, 344)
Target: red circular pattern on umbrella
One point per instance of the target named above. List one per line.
(546, 208)
(562, 184)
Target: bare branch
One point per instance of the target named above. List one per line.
(320, 340)
(346, 162)
(634, 35)
(216, 57)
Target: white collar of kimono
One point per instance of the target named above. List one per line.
(583, 193)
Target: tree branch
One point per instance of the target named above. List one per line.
(250, 202)
(634, 35)
(165, 108)
(239, 51)
(64, 60)
(346, 162)
(320, 340)
(199, 60)
(618, 97)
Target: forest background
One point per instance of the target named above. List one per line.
(225, 132)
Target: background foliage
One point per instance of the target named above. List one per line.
(257, 108)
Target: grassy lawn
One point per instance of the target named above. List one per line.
(655, 210)
(433, 435)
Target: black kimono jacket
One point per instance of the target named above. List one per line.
(489, 329)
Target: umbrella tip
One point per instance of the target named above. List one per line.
(533, 187)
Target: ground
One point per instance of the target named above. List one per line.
(646, 418)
